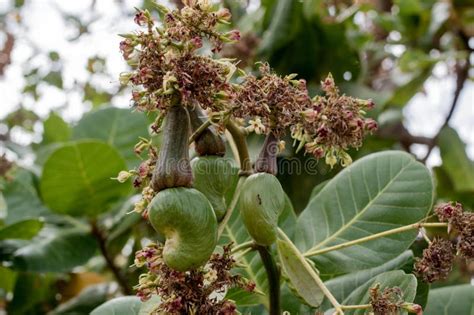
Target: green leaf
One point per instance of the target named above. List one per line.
(77, 180)
(21, 198)
(287, 218)
(54, 78)
(406, 91)
(55, 129)
(457, 299)
(285, 23)
(23, 230)
(125, 305)
(397, 278)
(300, 273)
(7, 281)
(118, 127)
(445, 189)
(149, 306)
(317, 189)
(88, 299)
(56, 250)
(377, 193)
(455, 160)
(3, 207)
(341, 287)
(30, 290)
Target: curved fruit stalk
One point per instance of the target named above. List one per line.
(208, 142)
(186, 218)
(262, 200)
(213, 177)
(173, 168)
(266, 161)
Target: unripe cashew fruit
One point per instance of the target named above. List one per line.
(213, 177)
(172, 167)
(261, 202)
(185, 217)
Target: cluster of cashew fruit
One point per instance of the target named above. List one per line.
(191, 194)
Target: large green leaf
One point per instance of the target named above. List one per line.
(77, 180)
(23, 230)
(452, 300)
(300, 273)
(380, 192)
(7, 281)
(21, 198)
(56, 250)
(118, 127)
(125, 305)
(284, 25)
(55, 129)
(341, 287)
(397, 278)
(30, 290)
(88, 299)
(455, 160)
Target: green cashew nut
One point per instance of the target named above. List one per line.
(262, 200)
(186, 218)
(213, 177)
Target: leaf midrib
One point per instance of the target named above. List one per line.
(359, 214)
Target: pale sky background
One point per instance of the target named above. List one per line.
(49, 32)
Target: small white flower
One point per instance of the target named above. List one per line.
(256, 126)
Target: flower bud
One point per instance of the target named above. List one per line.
(346, 159)
(331, 159)
(223, 15)
(123, 176)
(413, 308)
(125, 78)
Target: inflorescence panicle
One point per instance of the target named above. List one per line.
(333, 124)
(190, 292)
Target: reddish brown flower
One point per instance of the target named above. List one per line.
(188, 292)
(272, 100)
(332, 124)
(437, 261)
(387, 302)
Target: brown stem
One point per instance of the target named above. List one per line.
(119, 277)
(241, 144)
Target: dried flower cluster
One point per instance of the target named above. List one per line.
(437, 261)
(191, 292)
(167, 66)
(333, 124)
(390, 302)
(272, 101)
(387, 302)
(462, 222)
